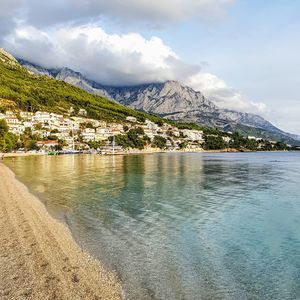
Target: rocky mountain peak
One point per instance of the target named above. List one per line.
(172, 84)
(172, 88)
(68, 73)
(172, 100)
(7, 57)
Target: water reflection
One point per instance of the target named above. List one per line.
(181, 226)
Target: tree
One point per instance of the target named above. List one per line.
(237, 141)
(251, 145)
(182, 145)
(160, 123)
(213, 142)
(280, 146)
(38, 126)
(52, 137)
(135, 138)
(96, 144)
(28, 139)
(8, 141)
(139, 130)
(31, 145)
(61, 144)
(159, 142)
(123, 140)
(89, 125)
(3, 128)
(267, 146)
(11, 141)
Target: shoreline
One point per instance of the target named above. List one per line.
(148, 151)
(39, 258)
(15, 154)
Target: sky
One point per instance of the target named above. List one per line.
(243, 55)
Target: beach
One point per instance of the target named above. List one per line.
(39, 258)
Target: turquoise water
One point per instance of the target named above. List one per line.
(181, 226)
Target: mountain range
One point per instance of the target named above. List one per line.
(22, 90)
(174, 101)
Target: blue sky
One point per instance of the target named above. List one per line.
(241, 54)
(256, 49)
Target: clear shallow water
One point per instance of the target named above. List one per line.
(181, 226)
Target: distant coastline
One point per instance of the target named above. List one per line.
(145, 151)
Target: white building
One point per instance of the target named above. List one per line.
(88, 134)
(131, 119)
(66, 126)
(82, 112)
(192, 135)
(102, 124)
(43, 133)
(17, 129)
(42, 117)
(251, 137)
(151, 125)
(150, 133)
(12, 120)
(103, 133)
(226, 139)
(28, 124)
(10, 113)
(25, 115)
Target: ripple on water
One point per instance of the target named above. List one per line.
(181, 226)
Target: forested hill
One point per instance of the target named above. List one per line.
(23, 90)
(174, 101)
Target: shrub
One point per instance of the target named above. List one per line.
(159, 142)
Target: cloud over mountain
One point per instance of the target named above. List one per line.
(218, 91)
(110, 59)
(63, 33)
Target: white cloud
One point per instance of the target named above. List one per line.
(34, 45)
(110, 59)
(36, 31)
(158, 11)
(153, 13)
(9, 7)
(223, 95)
(127, 59)
(8, 15)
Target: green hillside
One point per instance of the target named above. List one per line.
(25, 91)
(259, 132)
(22, 90)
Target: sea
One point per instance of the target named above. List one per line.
(180, 225)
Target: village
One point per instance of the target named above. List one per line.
(78, 133)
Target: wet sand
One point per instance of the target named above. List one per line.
(39, 259)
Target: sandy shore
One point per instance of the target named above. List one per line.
(16, 154)
(136, 151)
(38, 257)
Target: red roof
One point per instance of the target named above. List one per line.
(48, 143)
